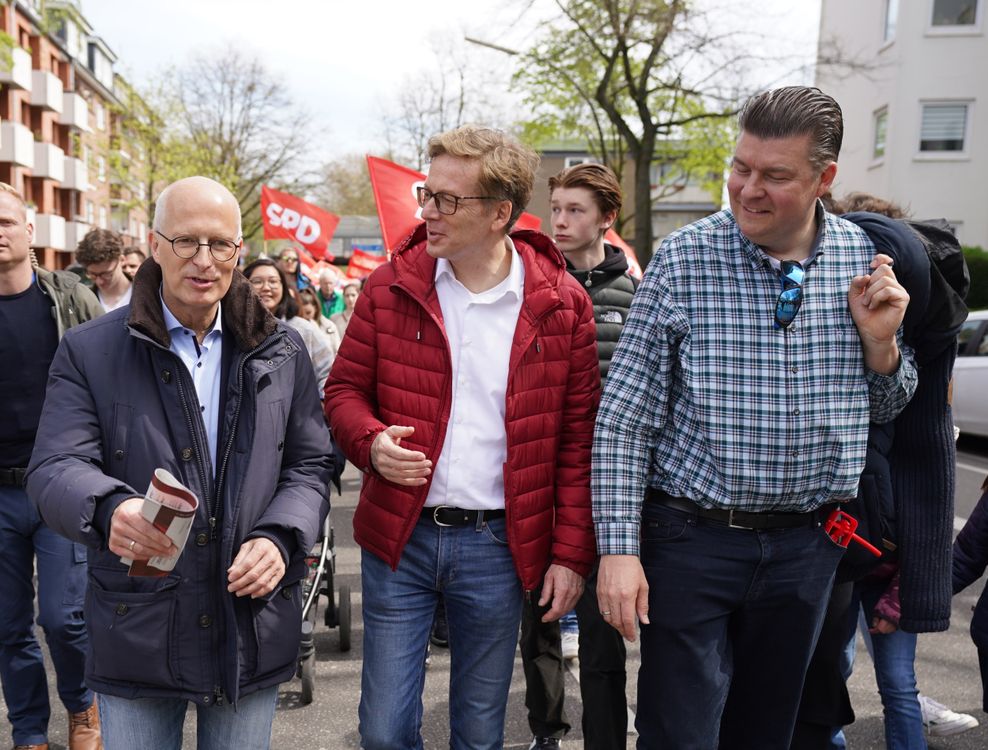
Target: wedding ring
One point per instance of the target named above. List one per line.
(606, 613)
(131, 545)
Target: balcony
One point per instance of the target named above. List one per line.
(76, 174)
(19, 75)
(75, 112)
(49, 161)
(46, 90)
(49, 231)
(16, 144)
(74, 232)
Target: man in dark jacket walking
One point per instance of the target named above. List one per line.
(585, 201)
(220, 394)
(36, 308)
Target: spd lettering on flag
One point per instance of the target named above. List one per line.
(288, 217)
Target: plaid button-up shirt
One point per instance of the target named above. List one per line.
(706, 399)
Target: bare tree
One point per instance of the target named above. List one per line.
(344, 186)
(242, 128)
(454, 90)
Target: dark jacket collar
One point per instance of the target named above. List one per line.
(243, 314)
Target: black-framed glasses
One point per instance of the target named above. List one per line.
(187, 247)
(447, 203)
(102, 275)
(791, 298)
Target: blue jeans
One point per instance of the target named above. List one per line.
(894, 655)
(61, 567)
(473, 570)
(129, 723)
(568, 623)
(735, 615)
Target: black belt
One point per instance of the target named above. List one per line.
(447, 515)
(12, 477)
(741, 519)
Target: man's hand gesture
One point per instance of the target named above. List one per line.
(397, 464)
(562, 587)
(878, 304)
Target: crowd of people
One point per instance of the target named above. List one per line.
(543, 439)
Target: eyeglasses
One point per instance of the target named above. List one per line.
(260, 283)
(188, 247)
(791, 297)
(446, 203)
(102, 275)
(289, 258)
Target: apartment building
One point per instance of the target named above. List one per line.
(914, 107)
(59, 133)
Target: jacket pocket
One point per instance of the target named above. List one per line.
(277, 624)
(130, 633)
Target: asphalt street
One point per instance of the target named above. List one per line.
(946, 664)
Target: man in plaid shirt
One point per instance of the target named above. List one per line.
(760, 344)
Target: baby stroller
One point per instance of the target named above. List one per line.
(321, 563)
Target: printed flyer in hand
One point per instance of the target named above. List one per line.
(171, 507)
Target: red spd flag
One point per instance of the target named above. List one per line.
(397, 205)
(634, 268)
(363, 263)
(287, 217)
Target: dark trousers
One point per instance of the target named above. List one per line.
(61, 567)
(825, 703)
(734, 616)
(602, 675)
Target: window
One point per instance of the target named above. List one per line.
(891, 16)
(955, 12)
(943, 128)
(102, 217)
(100, 117)
(101, 169)
(90, 213)
(881, 126)
(572, 161)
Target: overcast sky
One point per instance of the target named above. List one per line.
(344, 60)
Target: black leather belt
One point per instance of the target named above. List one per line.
(741, 519)
(447, 515)
(12, 477)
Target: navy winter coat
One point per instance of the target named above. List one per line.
(119, 404)
(970, 561)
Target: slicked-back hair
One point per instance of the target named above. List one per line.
(507, 168)
(99, 246)
(794, 111)
(596, 178)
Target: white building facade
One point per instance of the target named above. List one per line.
(916, 115)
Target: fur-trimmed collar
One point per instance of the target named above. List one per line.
(243, 314)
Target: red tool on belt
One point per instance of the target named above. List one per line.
(840, 526)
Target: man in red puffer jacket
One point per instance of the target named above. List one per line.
(466, 391)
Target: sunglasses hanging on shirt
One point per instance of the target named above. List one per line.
(791, 298)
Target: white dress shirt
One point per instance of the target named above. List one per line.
(480, 329)
(205, 364)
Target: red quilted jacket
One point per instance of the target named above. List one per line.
(394, 367)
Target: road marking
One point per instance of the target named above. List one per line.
(972, 467)
(573, 667)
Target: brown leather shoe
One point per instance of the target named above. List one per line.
(84, 730)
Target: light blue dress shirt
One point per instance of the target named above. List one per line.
(205, 363)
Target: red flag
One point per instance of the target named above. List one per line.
(634, 268)
(363, 263)
(397, 207)
(288, 217)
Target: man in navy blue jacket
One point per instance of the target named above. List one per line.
(196, 377)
